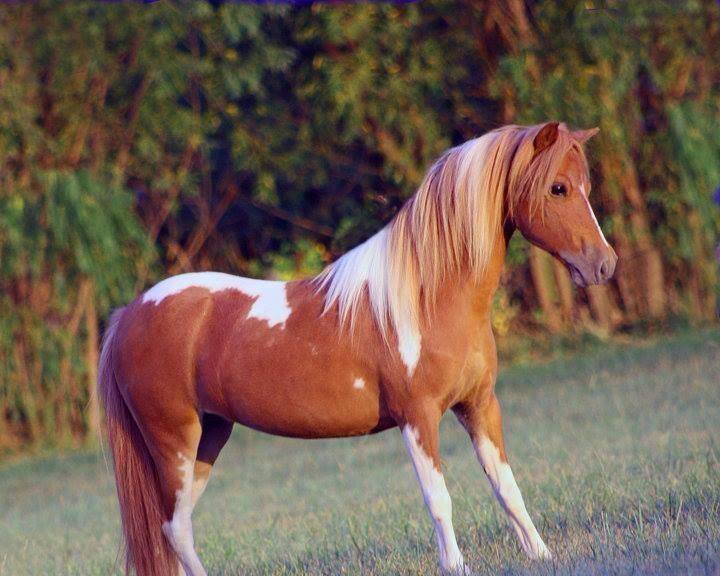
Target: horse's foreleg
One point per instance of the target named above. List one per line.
(483, 421)
(421, 438)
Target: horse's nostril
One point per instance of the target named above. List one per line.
(607, 267)
(604, 269)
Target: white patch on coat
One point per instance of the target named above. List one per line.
(437, 501)
(508, 494)
(359, 384)
(592, 213)
(270, 303)
(179, 530)
(365, 270)
(409, 345)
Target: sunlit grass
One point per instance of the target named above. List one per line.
(617, 453)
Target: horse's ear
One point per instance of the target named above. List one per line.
(546, 137)
(583, 136)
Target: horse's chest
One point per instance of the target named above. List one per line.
(457, 368)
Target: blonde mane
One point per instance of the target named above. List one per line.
(451, 224)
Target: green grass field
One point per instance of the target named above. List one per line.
(617, 452)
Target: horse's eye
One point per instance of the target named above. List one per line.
(558, 190)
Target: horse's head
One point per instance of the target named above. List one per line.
(557, 215)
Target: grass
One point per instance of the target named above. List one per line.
(616, 451)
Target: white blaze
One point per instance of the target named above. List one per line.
(270, 302)
(592, 213)
(437, 500)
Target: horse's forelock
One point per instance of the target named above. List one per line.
(532, 174)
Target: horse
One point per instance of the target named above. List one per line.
(391, 335)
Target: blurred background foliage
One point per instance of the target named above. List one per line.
(138, 141)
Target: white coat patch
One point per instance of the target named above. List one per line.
(409, 347)
(359, 383)
(270, 302)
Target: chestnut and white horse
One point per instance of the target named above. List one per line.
(392, 334)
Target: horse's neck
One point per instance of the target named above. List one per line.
(488, 284)
(467, 301)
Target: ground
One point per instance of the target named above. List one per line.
(617, 452)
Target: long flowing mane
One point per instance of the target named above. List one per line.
(451, 223)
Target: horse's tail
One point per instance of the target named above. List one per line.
(136, 479)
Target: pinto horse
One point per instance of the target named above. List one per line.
(392, 334)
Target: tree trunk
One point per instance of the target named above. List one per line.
(601, 307)
(703, 275)
(5, 441)
(543, 282)
(565, 291)
(641, 264)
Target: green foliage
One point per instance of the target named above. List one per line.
(695, 142)
(90, 224)
(64, 230)
(143, 140)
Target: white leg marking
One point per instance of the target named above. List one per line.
(437, 500)
(270, 302)
(359, 384)
(179, 530)
(508, 494)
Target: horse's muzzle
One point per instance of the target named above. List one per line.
(595, 266)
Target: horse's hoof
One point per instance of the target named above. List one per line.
(463, 570)
(543, 553)
(538, 550)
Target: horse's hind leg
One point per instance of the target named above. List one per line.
(174, 451)
(184, 450)
(215, 433)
